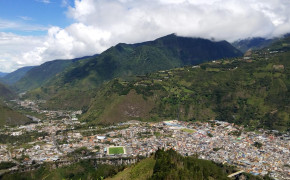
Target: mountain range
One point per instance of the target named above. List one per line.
(15, 76)
(160, 79)
(122, 61)
(2, 74)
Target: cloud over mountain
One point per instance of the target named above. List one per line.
(99, 24)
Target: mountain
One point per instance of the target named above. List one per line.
(253, 92)
(38, 75)
(124, 60)
(5, 93)
(281, 44)
(9, 116)
(127, 60)
(2, 74)
(252, 43)
(13, 77)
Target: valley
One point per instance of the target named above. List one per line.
(230, 113)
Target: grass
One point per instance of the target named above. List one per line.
(116, 150)
(140, 171)
(188, 130)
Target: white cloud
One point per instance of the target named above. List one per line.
(99, 24)
(12, 49)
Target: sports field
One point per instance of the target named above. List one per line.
(188, 130)
(116, 150)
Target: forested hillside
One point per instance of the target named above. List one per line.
(15, 76)
(126, 61)
(252, 91)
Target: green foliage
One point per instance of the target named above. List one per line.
(171, 165)
(6, 93)
(258, 144)
(39, 75)
(121, 61)
(9, 116)
(252, 94)
(6, 165)
(85, 169)
(15, 76)
(24, 138)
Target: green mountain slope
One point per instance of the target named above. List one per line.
(170, 165)
(252, 43)
(39, 75)
(14, 76)
(251, 92)
(167, 52)
(5, 93)
(2, 74)
(9, 116)
(127, 60)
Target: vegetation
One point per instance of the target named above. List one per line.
(251, 93)
(140, 171)
(252, 43)
(116, 150)
(6, 93)
(24, 138)
(85, 169)
(258, 144)
(9, 116)
(163, 165)
(6, 165)
(171, 165)
(123, 61)
(15, 76)
(37, 76)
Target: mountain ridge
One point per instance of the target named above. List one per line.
(127, 60)
(16, 75)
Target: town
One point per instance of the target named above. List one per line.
(54, 139)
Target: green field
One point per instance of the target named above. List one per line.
(188, 130)
(116, 150)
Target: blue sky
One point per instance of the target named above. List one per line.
(32, 17)
(35, 31)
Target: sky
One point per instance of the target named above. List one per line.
(35, 31)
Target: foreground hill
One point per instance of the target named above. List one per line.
(171, 165)
(127, 60)
(14, 76)
(253, 92)
(162, 165)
